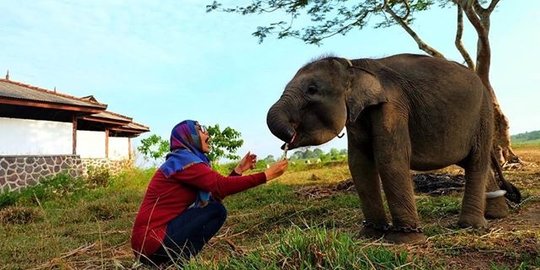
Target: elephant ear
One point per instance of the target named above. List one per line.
(365, 90)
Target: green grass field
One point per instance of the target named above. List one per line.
(300, 221)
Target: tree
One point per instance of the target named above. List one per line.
(224, 143)
(338, 17)
(153, 147)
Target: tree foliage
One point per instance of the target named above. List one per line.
(326, 18)
(224, 143)
(153, 147)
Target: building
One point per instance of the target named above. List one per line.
(43, 132)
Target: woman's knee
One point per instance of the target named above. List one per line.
(218, 209)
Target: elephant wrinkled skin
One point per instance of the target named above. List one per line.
(401, 112)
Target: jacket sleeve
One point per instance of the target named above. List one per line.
(204, 178)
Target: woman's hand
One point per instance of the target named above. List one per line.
(277, 169)
(247, 162)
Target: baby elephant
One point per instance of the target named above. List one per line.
(401, 112)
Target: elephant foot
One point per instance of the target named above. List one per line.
(476, 222)
(405, 237)
(496, 208)
(373, 231)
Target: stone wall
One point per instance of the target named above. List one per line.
(114, 166)
(20, 171)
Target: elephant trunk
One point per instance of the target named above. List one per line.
(279, 121)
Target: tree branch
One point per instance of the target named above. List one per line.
(483, 57)
(421, 44)
(458, 41)
(481, 10)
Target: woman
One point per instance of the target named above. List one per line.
(182, 207)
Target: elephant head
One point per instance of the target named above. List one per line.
(321, 99)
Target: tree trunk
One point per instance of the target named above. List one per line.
(501, 136)
(479, 17)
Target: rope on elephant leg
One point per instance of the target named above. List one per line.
(515, 206)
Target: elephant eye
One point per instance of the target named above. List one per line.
(312, 90)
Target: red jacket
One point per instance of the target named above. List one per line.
(166, 198)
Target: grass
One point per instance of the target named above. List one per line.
(295, 222)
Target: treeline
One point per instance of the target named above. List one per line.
(527, 136)
(300, 159)
(315, 154)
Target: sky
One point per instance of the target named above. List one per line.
(161, 62)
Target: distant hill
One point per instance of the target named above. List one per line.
(527, 137)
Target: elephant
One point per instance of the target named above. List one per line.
(401, 113)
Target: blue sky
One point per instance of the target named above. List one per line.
(161, 62)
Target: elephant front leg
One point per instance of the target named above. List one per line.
(398, 188)
(392, 154)
(367, 184)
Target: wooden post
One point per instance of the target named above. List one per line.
(107, 143)
(129, 148)
(74, 134)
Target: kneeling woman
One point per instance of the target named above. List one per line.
(182, 207)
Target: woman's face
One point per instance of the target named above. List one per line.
(205, 138)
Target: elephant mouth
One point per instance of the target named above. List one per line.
(290, 144)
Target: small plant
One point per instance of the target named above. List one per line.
(8, 198)
(98, 177)
(102, 211)
(437, 207)
(58, 186)
(19, 215)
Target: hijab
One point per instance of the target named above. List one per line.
(186, 150)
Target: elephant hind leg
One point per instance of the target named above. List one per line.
(474, 199)
(495, 207)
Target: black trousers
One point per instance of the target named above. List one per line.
(188, 233)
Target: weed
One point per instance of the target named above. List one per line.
(59, 186)
(102, 211)
(20, 215)
(436, 207)
(98, 176)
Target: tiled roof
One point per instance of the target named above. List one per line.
(24, 92)
(107, 115)
(137, 126)
(32, 96)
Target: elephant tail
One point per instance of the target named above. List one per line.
(512, 192)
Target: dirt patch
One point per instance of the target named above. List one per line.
(434, 184)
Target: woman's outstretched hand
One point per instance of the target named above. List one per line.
(277, 169)
(247, 162)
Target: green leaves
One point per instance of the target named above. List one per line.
(154, 147)
(224, 143)
(314, 21)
